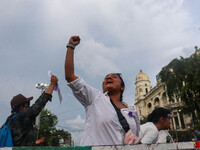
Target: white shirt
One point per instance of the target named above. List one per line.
(164, 137)
(148, 133)
(102, 126)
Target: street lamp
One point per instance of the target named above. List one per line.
(43, 87)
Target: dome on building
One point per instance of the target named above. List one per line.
(142, 76)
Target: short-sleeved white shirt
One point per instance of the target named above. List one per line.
(148, 133)
(102, 126)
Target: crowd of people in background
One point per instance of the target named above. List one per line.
(109, 120)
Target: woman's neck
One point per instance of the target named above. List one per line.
(116, 100)
(114, 97)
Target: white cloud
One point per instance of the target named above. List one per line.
(96, 59)
(76, 127)
(77, 124)
(177, 51)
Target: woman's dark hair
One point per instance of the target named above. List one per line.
(122, 84)
(157, 113)
(17, 108)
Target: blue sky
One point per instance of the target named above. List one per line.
(116, 36)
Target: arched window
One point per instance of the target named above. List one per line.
(156, 100)
(164, 96)
(149, 105)
(171, 100)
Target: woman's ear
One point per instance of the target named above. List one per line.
(122, 88)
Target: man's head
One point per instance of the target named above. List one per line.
(19, 101)
(160, 116)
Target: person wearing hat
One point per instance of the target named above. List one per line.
(22, 126)
(102, 125)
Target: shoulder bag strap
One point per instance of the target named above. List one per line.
(12, 119)
(121, 118)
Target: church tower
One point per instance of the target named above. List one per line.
(143, 86)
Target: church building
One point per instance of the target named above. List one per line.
(147, 98)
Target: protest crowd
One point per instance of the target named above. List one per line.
(109, 120)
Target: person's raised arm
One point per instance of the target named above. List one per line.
(54, 82)
(40, 103)
(69, 60)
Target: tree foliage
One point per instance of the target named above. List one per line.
(52, 136)
(182, 78)
(61, 135)
(182, 136)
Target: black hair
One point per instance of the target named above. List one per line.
(122, 84)
(16, 109)
(157, 114)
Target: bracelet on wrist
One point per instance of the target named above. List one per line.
(71, 46)
(52, 85)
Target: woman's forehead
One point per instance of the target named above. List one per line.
(111, 74)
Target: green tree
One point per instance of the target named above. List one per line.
(182, 78)
(48, 122)
(52, 136)
(59, 135)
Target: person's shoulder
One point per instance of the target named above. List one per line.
(19, 116)
(148, 125)
(144, 126)
(152, 125)
(19, 119)
(129, 106)
(125, 104)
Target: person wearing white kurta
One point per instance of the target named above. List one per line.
(158, 120)
(102, 126)
(164, 137)
(148, 133)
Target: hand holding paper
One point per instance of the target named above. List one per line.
(57, 89)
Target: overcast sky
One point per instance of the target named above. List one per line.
(116, 36)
